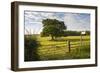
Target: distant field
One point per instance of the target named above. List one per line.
(57, 50)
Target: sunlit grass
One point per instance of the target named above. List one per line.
(57, 50)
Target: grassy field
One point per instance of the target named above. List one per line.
(58, 50)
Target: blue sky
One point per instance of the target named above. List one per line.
(73, 21)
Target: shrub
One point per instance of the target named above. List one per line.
(31, 45)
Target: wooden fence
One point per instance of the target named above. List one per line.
(75, 45)
(67, 47)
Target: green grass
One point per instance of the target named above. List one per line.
(58, 50)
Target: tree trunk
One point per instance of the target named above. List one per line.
(52, 37)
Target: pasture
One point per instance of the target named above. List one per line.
(59, 48)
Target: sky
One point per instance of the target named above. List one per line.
(73, 21)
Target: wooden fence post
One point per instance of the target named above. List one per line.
(69, 48)
(81, 41)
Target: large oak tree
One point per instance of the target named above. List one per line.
(53, 28)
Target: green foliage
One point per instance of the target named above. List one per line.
(53, 27)
(74, 33)
(87, 32)
(31, 45)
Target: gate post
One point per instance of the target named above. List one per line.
(69, 48)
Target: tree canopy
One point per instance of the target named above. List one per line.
(53, 28)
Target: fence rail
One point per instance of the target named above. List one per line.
(68, 46)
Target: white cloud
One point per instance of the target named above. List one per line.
(75, 22)
(31, 16)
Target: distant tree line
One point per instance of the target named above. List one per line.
(74, 33)
(68, 33)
